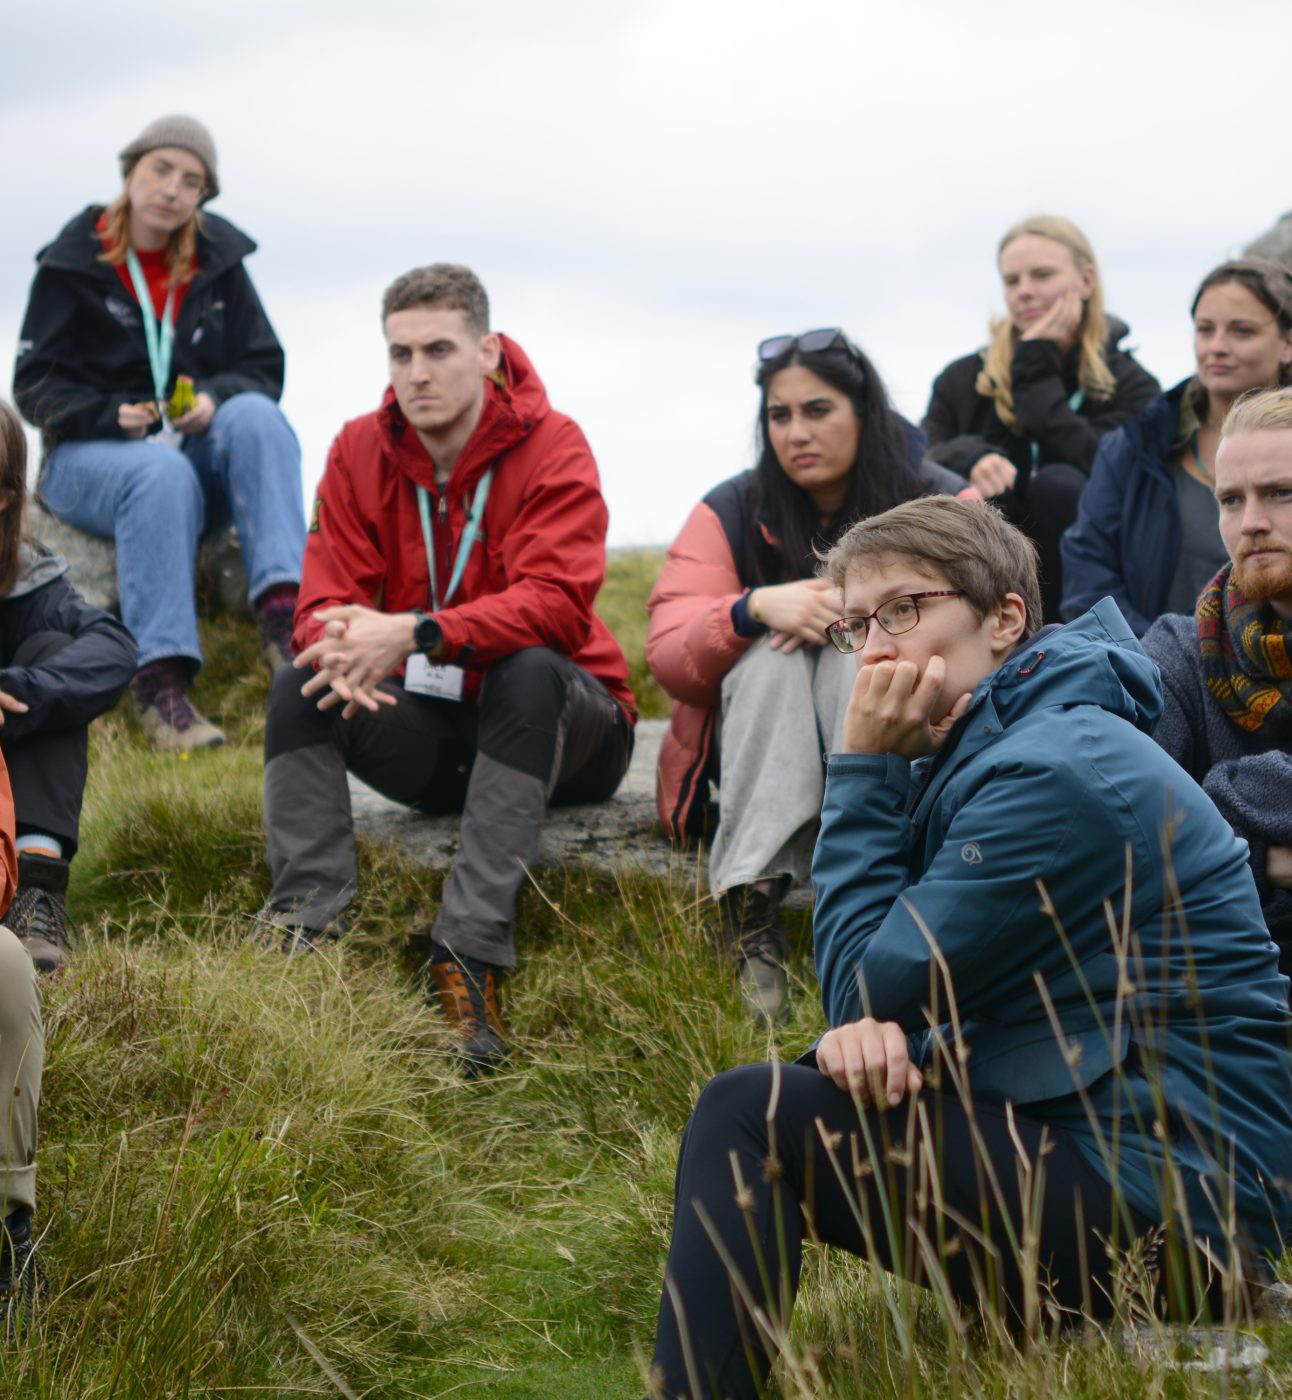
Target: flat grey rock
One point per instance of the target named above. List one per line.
(615, 836)
(621, 836)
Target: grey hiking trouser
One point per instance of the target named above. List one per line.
(780, 715)
(22, 1058)
(544, 732)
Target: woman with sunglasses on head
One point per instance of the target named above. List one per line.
(152, 372)
(1147, 533)
(737, 632)
(1022, 418)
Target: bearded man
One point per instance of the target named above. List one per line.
(1227, 670)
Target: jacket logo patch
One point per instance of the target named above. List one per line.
(314, 516)
(970, 853)
(123, 312)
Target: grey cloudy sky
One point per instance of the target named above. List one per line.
(648, 189)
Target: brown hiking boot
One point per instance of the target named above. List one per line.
(468, 993)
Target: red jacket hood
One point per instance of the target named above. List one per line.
(515, 402)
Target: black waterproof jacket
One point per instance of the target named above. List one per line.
(82, 353)
(74, 685)
(962, 426)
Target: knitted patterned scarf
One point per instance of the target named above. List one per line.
(1245, 659)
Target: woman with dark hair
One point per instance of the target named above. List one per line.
(151, 370)
(1148, 530)
(1022, 418)
(737, 632)
(62, 663)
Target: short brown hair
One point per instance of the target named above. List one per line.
(1261, 410)
(969, 543)
(441, 284)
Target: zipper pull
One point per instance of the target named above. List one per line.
(444, 505)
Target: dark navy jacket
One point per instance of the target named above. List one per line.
(82, 353)
(75, 685)
(1054, 845)
(1125, 543)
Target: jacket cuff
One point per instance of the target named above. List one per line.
(888, 769)
(742, 624)
(1037, 359)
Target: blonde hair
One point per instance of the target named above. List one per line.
(1259, 411)
(181, 248)
(995, 379)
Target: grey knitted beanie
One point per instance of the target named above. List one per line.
(185, 132)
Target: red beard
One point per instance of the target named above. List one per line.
(1265, 580)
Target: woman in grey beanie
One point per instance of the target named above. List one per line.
(148, 364)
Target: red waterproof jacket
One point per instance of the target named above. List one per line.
(540, 557)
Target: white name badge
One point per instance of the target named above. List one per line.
(170, 435)
(423, 677)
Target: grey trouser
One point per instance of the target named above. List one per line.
(544, 733)
(22, 1057)
(780, 715)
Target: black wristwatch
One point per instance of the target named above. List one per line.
(427, 633)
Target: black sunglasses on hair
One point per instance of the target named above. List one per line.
(811, 341)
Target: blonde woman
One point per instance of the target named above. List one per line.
(153, 373)
(1022, 418)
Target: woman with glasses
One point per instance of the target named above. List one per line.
(1057, 1025)
(151, 370)
(737, 633)
(1147, 533)
(1022, 418)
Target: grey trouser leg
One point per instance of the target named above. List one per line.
(417, 751)
(544, 732)
(549, 734)
(22, 1057)
(780, 714)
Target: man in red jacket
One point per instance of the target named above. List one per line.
(456, 549)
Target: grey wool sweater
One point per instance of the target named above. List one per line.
(1247, 776)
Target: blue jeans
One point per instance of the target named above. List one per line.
(155, 501)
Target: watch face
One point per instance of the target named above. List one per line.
(427, 633)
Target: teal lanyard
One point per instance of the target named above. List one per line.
(474, 517)
(161, 340)
(1197, 457)
(1075, 400)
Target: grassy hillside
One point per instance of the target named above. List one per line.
(259, 1177)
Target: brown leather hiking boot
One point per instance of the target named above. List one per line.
(468, 993)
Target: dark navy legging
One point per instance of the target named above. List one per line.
(761, 1161)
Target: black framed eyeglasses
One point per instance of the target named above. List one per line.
(896, 616)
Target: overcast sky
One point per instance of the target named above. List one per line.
(648, 189)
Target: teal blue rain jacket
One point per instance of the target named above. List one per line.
(1054, 852)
